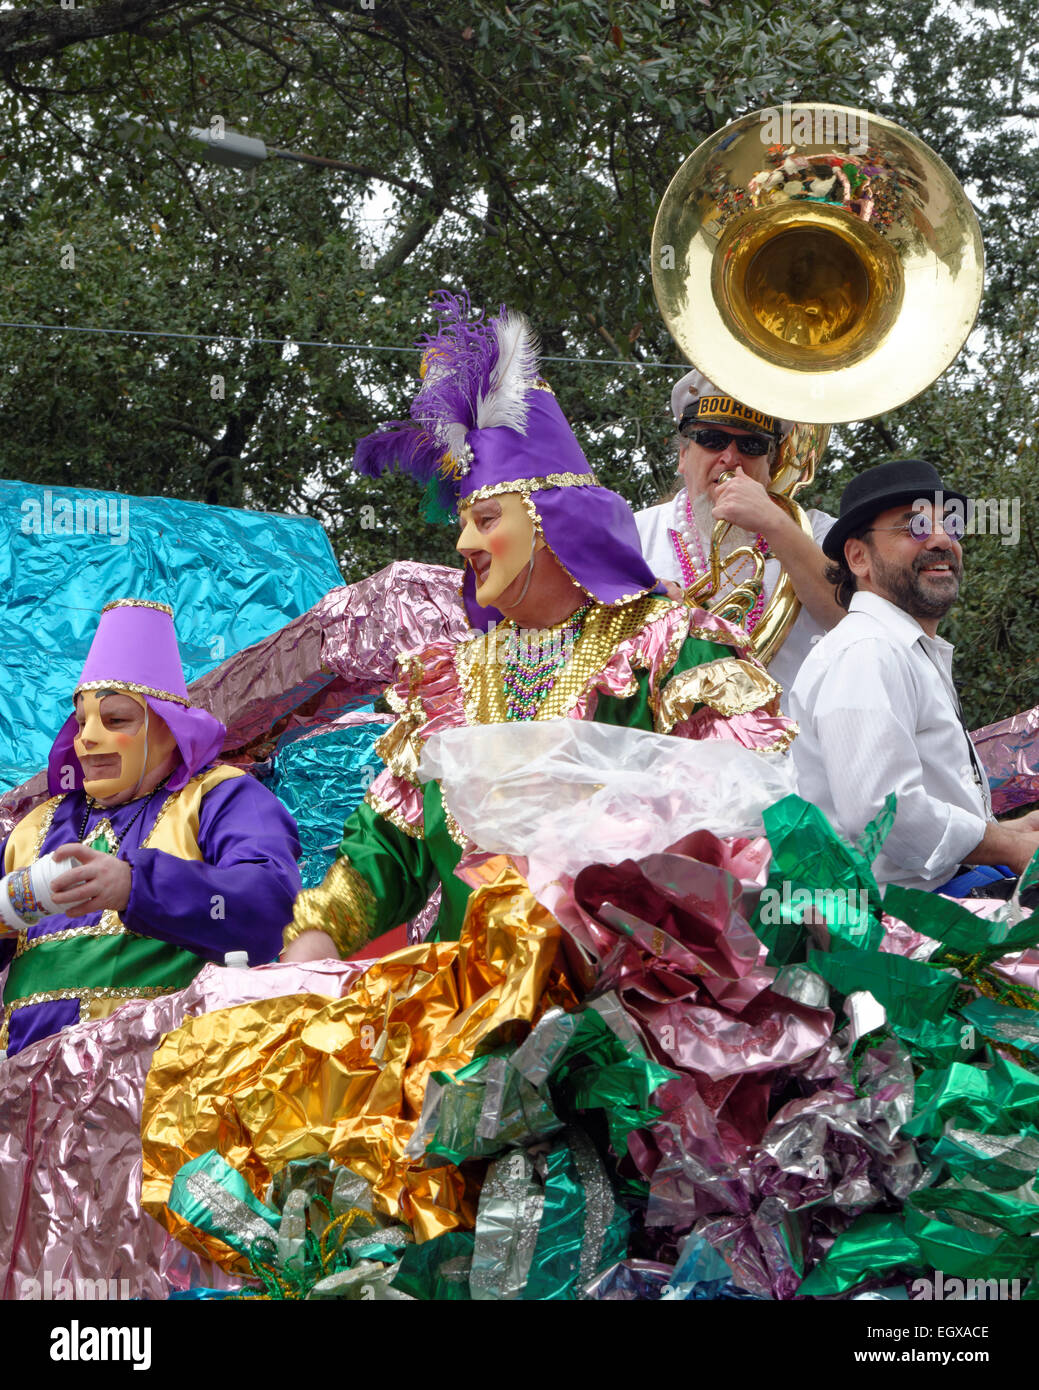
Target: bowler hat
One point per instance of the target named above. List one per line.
(886, 485)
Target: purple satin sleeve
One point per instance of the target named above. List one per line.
(240, 898)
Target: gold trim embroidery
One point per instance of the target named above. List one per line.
(86, 998)
(138, 603)
(393, 815)
(453, 828)
(109, 925)
(529, 485)
(137, 690)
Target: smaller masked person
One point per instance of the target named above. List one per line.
(172, 862)
(726, 455)
(576, 626)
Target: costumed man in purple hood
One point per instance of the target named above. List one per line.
(581, 629)
(172, 861)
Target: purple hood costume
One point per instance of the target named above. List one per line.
(137, 636)
(212, 854)
(484, 423)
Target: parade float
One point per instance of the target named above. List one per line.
(683, 1046)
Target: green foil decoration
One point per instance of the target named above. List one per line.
(811, 861)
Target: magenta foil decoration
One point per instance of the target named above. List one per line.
(1009, 753)
(70, 1143)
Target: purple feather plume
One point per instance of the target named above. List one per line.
(460, 360)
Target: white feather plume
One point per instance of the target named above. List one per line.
(505, 401)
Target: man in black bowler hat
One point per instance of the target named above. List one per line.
(875, 698)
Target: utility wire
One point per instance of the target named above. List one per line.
(307, 342)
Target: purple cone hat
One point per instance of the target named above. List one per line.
(484, 423)
(135, 648)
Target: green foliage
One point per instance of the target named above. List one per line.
(518, 152)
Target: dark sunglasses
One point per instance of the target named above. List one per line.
(714, 441)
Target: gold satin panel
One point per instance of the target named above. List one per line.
(280, 1079)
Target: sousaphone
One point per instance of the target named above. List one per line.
(819, 263)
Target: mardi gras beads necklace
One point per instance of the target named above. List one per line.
(533, 661)
(104, 839)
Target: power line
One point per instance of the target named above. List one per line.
(307, 342)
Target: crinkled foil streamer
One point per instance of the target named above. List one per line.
(290, 1078)
(232, 577)
(70, 1145)
(315, 1237)
(313, 673)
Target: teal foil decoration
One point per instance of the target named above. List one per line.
(322, 779)
(232, 577)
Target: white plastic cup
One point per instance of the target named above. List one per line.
(25, 894)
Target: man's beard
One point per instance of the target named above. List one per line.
(734, 537)
(908, 591)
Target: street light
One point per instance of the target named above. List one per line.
(221, 145)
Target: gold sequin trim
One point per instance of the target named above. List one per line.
(729, 686)
(480, 663)
(393, 815)
(109, 925)
(137, 690)
(529, 485)
(138, 603)
(342, 906)
(783, 742)
(45, 824)
(455, 830)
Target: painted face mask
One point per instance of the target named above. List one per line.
(116, 748)
(500, 547)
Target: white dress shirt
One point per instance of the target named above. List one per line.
(655, 525)
(879, 713)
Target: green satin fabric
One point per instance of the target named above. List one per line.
(100, 962)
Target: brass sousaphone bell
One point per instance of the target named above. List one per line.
(818, 263)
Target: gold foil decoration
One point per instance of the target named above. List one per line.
(279, 1079)
(729, 685)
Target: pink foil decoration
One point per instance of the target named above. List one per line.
(70, 1143)
(1009, 753)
